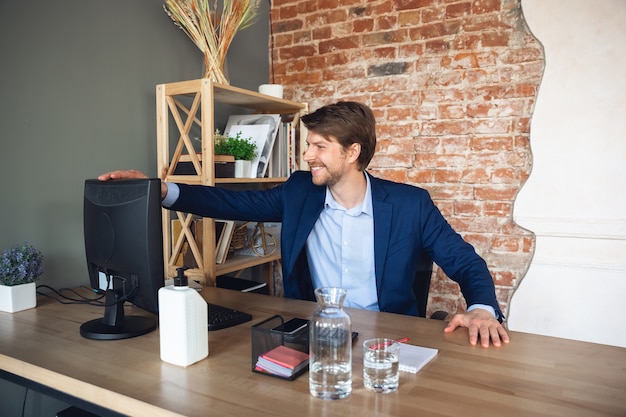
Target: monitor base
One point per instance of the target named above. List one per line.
(132, 326)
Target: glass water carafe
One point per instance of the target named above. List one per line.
(330, 346)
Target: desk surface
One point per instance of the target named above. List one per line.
(533, 375)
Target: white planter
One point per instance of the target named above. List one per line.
(242, 168)
(18, 297)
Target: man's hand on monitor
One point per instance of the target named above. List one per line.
(130, 174)
(121, 175)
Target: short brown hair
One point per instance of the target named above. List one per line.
(349, 122)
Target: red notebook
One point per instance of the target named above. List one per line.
(286, 356)
(283, 360)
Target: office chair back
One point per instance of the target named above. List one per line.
(421, 284)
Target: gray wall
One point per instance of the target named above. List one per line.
(77, 98)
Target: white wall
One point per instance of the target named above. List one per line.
(575, 199)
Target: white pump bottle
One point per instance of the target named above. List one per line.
(183, 319)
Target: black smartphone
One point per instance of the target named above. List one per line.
(292, 326)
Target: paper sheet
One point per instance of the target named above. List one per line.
(413, 358)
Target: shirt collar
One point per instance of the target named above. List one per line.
(364, 208)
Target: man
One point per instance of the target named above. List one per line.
(343, 227)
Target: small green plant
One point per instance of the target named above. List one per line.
(239, 147)
(21, 264)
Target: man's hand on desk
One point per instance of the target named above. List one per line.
(481, 323)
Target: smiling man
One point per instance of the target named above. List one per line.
(342, 227)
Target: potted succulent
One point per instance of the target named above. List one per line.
(243, 149)
(20, 267)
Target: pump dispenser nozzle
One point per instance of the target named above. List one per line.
(181, 279)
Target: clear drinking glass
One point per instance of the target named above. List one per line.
(330, 346)
(381, 365)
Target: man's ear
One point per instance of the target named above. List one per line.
(354, 151)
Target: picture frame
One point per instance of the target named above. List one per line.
(264, 136)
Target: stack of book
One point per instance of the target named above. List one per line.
(282, 361)
(224, 230)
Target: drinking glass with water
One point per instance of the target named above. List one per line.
(381, 365)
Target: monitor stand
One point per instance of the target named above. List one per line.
(115, 325)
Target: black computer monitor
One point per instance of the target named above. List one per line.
(123, 244)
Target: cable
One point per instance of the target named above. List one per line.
(80, 300)
(24, 402)
(64, 299)
(81, 297)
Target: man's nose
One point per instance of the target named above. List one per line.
(307, 155)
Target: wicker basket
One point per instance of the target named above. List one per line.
(238, 241)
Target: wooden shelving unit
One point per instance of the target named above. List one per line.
(190, 105)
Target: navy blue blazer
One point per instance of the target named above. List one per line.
(406, 222)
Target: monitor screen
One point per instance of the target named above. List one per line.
(124, 250)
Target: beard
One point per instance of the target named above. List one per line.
(326, 176)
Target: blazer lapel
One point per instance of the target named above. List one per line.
(309, 213)
(382, 228)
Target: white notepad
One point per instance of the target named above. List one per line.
(413, 358)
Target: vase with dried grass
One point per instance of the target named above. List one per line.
(212, 25)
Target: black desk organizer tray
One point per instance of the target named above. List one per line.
(265, 338)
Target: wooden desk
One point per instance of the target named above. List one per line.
(532, 376)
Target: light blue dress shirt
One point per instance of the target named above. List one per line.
(172, 195)
(340, 251)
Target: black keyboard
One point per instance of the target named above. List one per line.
(221, 317)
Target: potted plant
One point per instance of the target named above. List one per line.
(243, 149)
(20, 267)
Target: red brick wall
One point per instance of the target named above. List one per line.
(453, 85)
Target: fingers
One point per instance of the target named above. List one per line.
(488, 331)
(494, 333)
(453, 324)
(485, 333)
(105, 177)
(118, 175)
(504, 336)
(473, 335)
(495, 337)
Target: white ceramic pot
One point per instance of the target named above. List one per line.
(242, 168)
(18, 297)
